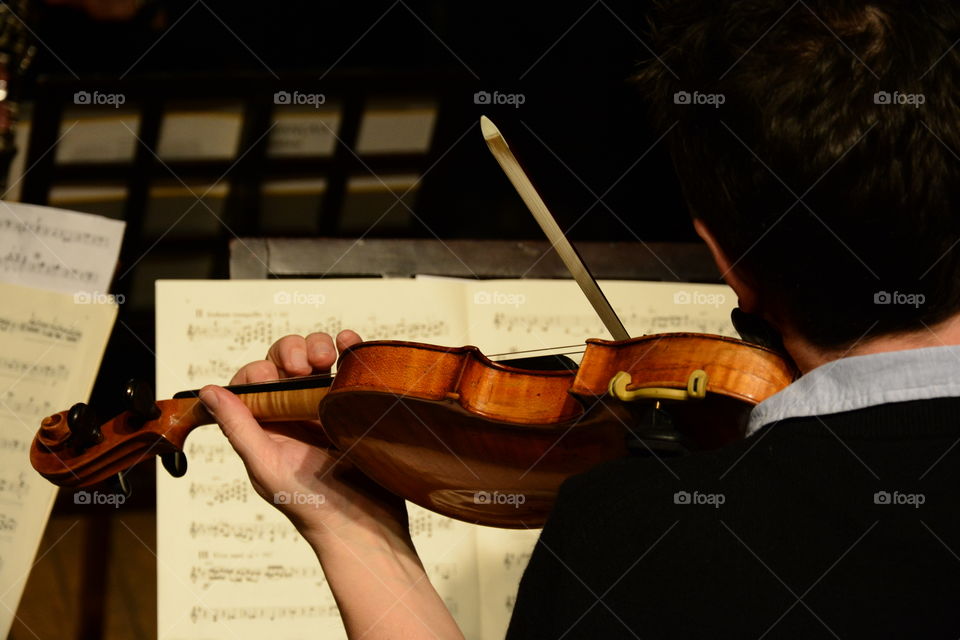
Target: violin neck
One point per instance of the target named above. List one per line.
(294, 400)
(285, 406)
(266, 405)
(280, 401)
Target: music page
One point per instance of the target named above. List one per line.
(229, 564)
(58, 250)
(50, 351)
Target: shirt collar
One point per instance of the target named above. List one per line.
(858, 382)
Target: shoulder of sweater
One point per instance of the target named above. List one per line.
(651, 480)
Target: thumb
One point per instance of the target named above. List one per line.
(245, 434)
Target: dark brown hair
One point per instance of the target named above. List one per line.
(820, 142)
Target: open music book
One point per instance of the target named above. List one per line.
(229, 565)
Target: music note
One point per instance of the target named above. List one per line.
(244, 531)
(8, 524)
(57, 250)
(14, 486)
(207, 576)
(213, 493)
(269, 614)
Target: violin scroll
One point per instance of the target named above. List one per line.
(74, 449)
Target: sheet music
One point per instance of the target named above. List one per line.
(510, 315)
(230, 566)
(58, 250)
(51, 348)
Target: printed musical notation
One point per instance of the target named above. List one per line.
(18, 368)
(211, 372)
(14, 445)
(268, 614)
(512, 560)
(57, 250)
(43, 229)
(443, 571)
(8, 524)
(37, 327)
(46, 363)
(212, 493)
(208, 576)
(240, 332)
(204, 453)
(243, 531)
(12, 403)
(34, 263)
(14, 487)
(425, 525)
(579, 325)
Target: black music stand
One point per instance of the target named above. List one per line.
(255, 258)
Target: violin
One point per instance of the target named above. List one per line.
(453, 431)
(449, 429)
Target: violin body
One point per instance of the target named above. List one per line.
(488, 443)
(455, 432)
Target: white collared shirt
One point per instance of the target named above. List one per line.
(858, 382)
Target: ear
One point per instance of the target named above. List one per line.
(746, 293)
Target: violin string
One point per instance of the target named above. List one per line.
(565, 353)
(513, 353)
(251, 387)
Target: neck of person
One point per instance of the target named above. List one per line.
(809, 356)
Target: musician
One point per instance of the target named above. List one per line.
(817, 144)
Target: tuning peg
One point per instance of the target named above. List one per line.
(120, 480)
(140, 399)
(175, 462)
(84, 425)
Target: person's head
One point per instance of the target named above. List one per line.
(819, 142)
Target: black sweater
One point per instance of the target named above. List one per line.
(834, 526)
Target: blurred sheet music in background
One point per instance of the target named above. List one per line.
(57, 250)
(55, 271)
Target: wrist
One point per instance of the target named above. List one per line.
(364, 538)
(351, 519)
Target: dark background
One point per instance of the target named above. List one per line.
(581, 133)
(581, 130)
